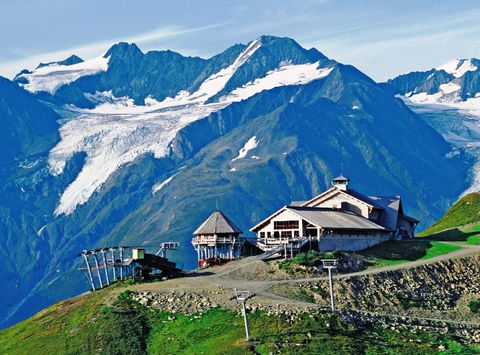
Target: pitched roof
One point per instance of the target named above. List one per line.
(341, 178)
(351, 192)
(391, 206)
(334, 219)
(217, 223)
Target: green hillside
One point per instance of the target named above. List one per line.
(111, 322)
(459, 223)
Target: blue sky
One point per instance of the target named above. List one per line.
(383, 38)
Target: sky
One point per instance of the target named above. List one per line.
(383, 38)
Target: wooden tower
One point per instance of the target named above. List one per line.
(217, 240)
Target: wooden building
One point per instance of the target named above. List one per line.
(217, 240)
(337, 219)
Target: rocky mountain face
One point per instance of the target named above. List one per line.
(447, 98)
(147, 145)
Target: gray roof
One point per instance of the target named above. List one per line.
(217, 223)
(391, 207)
(334, 219)
(341, 178)
(370, 200)
(297, 203)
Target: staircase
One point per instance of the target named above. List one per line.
(297, 246)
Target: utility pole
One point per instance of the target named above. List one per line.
(243, 296)
(330, 264)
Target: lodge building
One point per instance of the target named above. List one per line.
(337, 219)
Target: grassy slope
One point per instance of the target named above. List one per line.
(393, 252)
(84, 325)
(464, 212)
(63, 328)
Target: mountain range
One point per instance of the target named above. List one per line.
(136, 148)
(447, 98)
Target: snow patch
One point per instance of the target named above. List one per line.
(233, 169)
(249, 145)
(449, 88)
(158, 187)
(355, 107)
(254, 157)
(39, 232)
(299, 74)
(51, 77)
(458, 67)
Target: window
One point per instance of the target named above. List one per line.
(269, 234)
(262, 234)
(285, 224)
(296, 233)
(276, 234)
(286, 234)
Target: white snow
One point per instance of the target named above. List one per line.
(424, 98)
(159, 186)
(436, 101)
(355, 107)
(51, 77)
(299, 74)
(458, 67)
(117, 131)
(39, 232)
(254, 157)
(233, 169)
(249, 145)
(449, 88)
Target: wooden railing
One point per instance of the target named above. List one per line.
(214, 239)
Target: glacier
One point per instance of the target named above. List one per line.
(117, 131)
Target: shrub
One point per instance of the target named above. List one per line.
(474, 305)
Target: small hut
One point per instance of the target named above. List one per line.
(217, 240)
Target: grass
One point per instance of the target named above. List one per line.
(394, 252)
(64, 328)
(463, 212)
(85, 325)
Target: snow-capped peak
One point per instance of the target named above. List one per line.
(117, 131)
(458, 67)
(51, 77)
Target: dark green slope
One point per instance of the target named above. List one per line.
(465, 211)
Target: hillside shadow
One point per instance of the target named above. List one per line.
(393, 250)
(453, 235)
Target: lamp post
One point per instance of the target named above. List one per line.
(243, 296)
(330, 264)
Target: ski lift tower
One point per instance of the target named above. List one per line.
(162, 252)
(330, 264)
